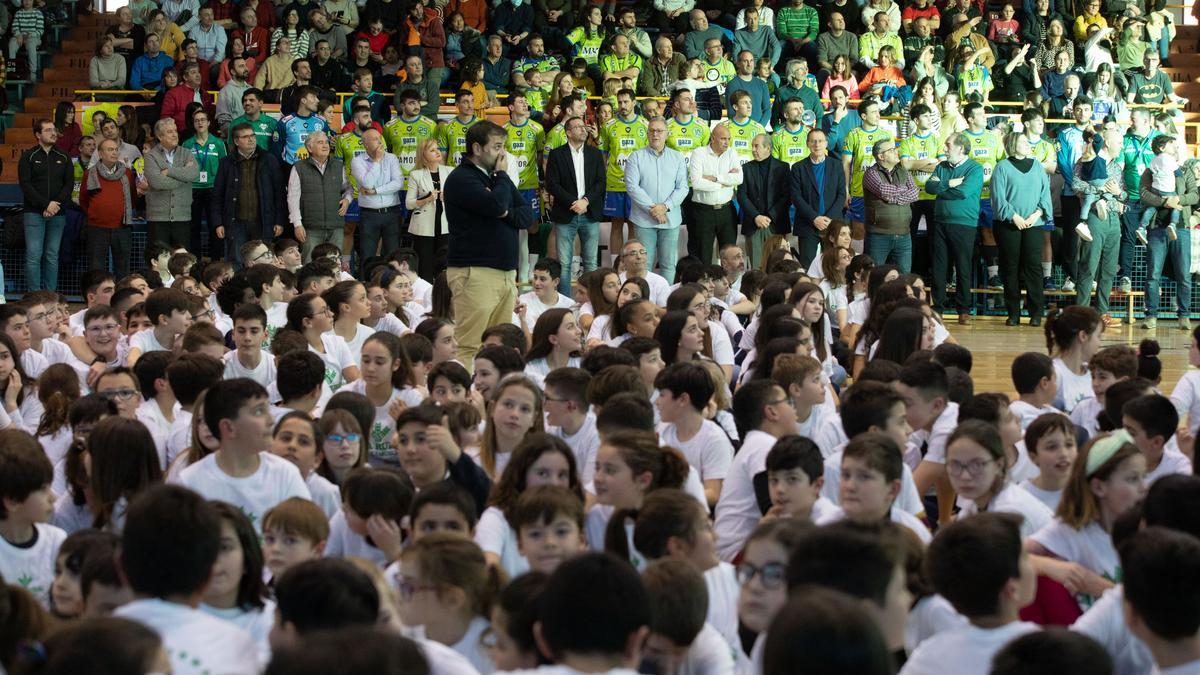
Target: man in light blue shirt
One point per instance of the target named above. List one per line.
(656, 182)
(210, 38)
(379, 181)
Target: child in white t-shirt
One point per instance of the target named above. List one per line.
(1151, 421)
(28, 543)
(297, 438)
(1155, 594)
(546, 294)
(549, 524)
(681, 640)
(169, 312)
(294, 530)
(872, 466)
(374, 504)
(684, 391)
(1108, 366)
(387, 382)
(249, 335)
(1036, 382)
(979, 565)
(239, 471)
(158, 411)
(976, 464)
(569, 417)
(1051, 445)
(1074, 334)
(1163, 168)
(237, 593)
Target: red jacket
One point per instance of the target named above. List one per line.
(106, 207)
(176, 101)
(432, 39)
(257, 41)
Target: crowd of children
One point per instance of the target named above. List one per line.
(294, 472)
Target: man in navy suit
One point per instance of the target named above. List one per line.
(818, 193)
(764, 196)
(575, 177)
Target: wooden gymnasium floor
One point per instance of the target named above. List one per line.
(995, 345)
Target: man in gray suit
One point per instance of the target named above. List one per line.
(170, 171)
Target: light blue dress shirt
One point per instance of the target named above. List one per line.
(651, 178)
(383, 176)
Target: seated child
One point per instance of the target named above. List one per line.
(1111, 364)
(29, 545)
(680, 639)
(374, 503)
(870, 482)
(1036, 383)
(513, 617)
(1051, 445)
(1151, 421)
(549, 524)
(442, 507)
(294, 531)
(795, 475)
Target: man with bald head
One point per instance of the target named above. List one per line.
(663, 69)
(715, 172)
(702, 32)
(379, 180)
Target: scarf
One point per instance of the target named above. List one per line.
(117, 173)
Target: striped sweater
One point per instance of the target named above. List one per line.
(29, 22)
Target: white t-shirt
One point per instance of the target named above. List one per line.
(275, 480)
(34, 364)
(723, 590)
(830, 435)
(538, 369)
(324, 494)
(935, 440)
(1014, 499)
(1026, 413)
(659, 287)
(599, 330)
(965, 651)
(898, 516)
(908, 500)
(584, 444)
(146, 342)
(150, 414)
(534, 307)
(81, 369)
(344, 543)
(195, 642)
(361, 333)
(1085, 415)
(1186, 398)
(422, 292)
(495, 535)
(932, 615)
(1024, 468)
(738, 510)
(1091, 547)
(379, 440)
(709, 654)
(1105, 623)
(1173, 461)
(1050, 498)
(55, 352)
(1072, 388)
(392, 324)
(709, 451)
(57, 444)
(179, 437)
(857, 310)
(337, 358)
(722, 346)
(32, 567)
(835, 299)
(470, 646)
(263, 374)
(809, 427)
(257, 623)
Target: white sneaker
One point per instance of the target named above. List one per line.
(1140, 235)
(1083, 231)
(1172, 235)
(1068, 286)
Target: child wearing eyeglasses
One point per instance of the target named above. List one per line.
(762, 580)
(979, 473)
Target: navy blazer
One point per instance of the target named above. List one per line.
(807, 199)
(770, 197)
(272, 200)
(560, 183)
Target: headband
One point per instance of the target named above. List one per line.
(1104, 449)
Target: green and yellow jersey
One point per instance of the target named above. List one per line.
(789, 147)
(741, 136)
(346, 147)
(857, 146)
(619, 139)
(986, 149)
(452, 139)
(525, 142)
(403, 137)
(684, 138)
(921, 147)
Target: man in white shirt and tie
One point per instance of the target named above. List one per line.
(715, 173)
(380, 181)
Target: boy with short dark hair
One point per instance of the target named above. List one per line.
(800, 375)
(167, 310)
(684, 391)
(44, 320)
(869, 484)
(548, 520)
(320, 595)
(267, 285)
(595, 615)
(506, 335)
(1036, 383)
(795, 471)
(569, 417)
(170, 542)
(315, 277)
(248, 359)
(189, 376)
(158, 411)
(98, 288)
(873, 407)
(980, 565)
(763, 415)
(422, 434)
(300, 379)
(648, 356)
(203, 338)
(1108, 366)
(1151, 421)
(136, 320)
(294, 530)
(933, 417)
(442, 507)
(28, 542)
(680, 639)
(448, 381)
(374, 503)
(158, 260)
(239, 471)
(120, 386)
(546, 279)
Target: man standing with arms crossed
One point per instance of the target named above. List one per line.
(485, 211)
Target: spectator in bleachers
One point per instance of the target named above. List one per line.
(426, 86)
(695, 42)
(210, 38)
(888, 7)
(322, 28)
(46, 179)
(745, 81)
(255, 39)
(107, 69)
(275, 73)
(127, 153)
(390, 13)
(229, 99)
(69, 132)
(671, 16)
(496, 69)
(342, 12)
(663, 69)
(292, 29)
(475, 14)
(170, 37)
(1053, 43)
(512, 20)
(798, 26)
(639, 40)
(148, 68)
(142, 10)
(966, 34)
(106, 196)
(225, 13)
(621, 63)
(236, 49)
(328, 74)
(301, 77)
(880, 35)
(170, 171)
(184, 13)
(837, 41)
(361, 57)
(26, 31)
(758, 39)
(178, 98)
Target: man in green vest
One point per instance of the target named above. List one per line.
(318, 194)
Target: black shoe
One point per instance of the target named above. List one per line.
(1013, 321)
(1035, 321)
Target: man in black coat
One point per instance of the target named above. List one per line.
(240, 211)
(818, 192)
(575, 180)
(764, 195)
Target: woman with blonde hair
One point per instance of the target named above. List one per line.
(428, 226)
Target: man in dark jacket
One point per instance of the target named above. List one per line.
(764, 195)
(818, 192)
(46, 177)
(248, 198)
(485, 212)
(575, 178)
